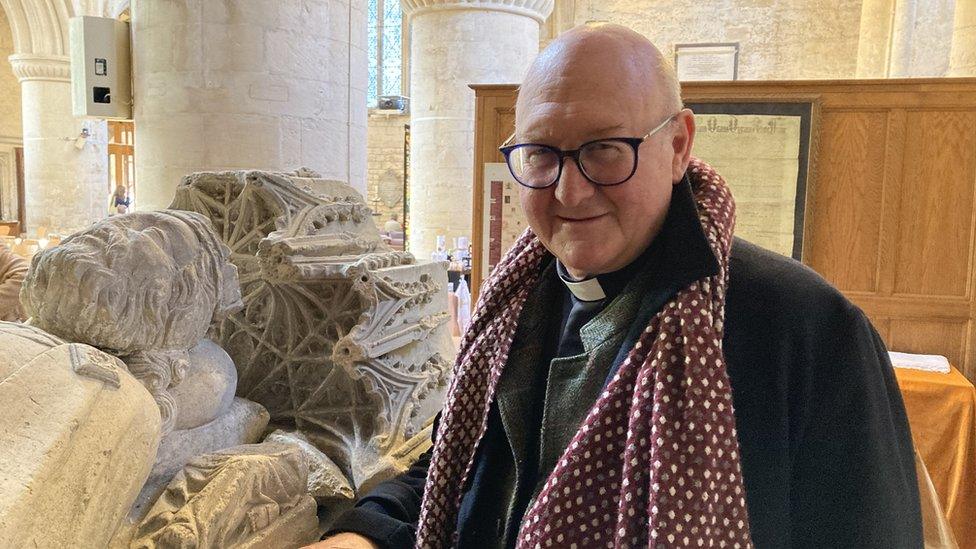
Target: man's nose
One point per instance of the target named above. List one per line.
(573, 188)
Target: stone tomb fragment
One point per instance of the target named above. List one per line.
(252, 496)
(78, 436)
(146, 287)
(340, 337)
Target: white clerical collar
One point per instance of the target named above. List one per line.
(588, 289)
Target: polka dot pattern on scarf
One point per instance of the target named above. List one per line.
(656, 461)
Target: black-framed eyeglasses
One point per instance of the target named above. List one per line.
(606, 162)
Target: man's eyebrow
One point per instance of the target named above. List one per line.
(606, 129)
(530, 137)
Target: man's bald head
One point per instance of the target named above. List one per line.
(601, 55)
(597, 91)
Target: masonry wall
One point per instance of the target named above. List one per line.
(384, 170)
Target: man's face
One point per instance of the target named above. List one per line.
(597, 229)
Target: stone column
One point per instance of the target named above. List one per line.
(962, 57)
(269, 84)
(886, 38)
(454, 44)
(66, 181)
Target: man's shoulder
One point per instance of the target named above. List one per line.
(772, 289)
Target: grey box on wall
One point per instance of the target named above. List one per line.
(101, 68)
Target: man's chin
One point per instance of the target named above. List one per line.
(583, 265)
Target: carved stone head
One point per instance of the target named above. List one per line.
(144, 281)
(144, 286)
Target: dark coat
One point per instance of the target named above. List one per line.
(826, 450)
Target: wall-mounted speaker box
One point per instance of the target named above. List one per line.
(101, 68)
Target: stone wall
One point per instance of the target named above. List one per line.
(384, 171)
(931, 39)
(258, 84)
(777, 40)
(11, 127)
(10, 124)
(800, 39)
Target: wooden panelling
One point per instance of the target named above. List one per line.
(890, 216)
(845, 242)
(935, 219)
(933, 337)
(495, 121)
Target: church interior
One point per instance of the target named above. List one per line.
(241, 241)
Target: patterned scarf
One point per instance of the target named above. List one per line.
(656, 461)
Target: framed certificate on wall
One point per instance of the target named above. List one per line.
(707, 61)
(762, 150)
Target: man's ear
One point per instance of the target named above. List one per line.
(681, 143)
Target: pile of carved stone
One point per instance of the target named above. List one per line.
(121, 425)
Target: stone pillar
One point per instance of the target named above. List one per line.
(268, 84)
(885, 46)
(454, 44)
(962, 57)
(902, 39)
(66, 180)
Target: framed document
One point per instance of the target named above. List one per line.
(762, 150)
(708, 61)
(505, 221)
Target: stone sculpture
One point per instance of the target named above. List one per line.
(340, 337)
(325, 480)
(78, 436)
(251, 496)
(13, 269)
(144, 287)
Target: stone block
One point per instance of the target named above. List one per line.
(325, 480)
(208, 387)
(340, 337)
(249, 496)
(243, 423)
(77, 439)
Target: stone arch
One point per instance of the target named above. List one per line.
(40, 27)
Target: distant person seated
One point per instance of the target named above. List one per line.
(121, 200)
(13, 269)
(392, 226)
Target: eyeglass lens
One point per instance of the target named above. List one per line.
(604, 162)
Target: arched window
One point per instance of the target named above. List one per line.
(385, 49)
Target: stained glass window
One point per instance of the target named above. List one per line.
(385, 49)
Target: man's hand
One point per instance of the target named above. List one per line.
(346, 540)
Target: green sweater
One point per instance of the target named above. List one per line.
(543, 398)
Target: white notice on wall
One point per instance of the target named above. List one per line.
(695, 62)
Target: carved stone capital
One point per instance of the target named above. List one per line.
(535, 9)
(53, 68)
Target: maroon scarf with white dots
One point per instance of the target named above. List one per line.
(656, 461)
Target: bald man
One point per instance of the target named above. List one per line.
(635, 375)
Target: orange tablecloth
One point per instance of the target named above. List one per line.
(942, 414)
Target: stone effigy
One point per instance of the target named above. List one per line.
(13, 269)
(340, 337)
(144, 287)
(252, 496)
(78, 436)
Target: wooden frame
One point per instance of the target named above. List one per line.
(800, 107)
(21, 191)
(121, 155)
